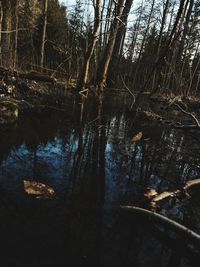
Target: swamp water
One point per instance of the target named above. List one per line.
(93, 160)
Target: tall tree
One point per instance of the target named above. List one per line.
(85, 71)
(43, 33)
(160, 36)
(6, 34)
(102, 70)
(16, 7)
(119, 44)
(1, 19)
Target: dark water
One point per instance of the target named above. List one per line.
(86, 155)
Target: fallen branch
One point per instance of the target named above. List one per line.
(186, 127)
(177, 193)
(84, 93)
(50, 107)
(186, 233)
(165, 195)
(36, 76)
(189, 114)
(126, 87)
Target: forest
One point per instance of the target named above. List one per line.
(148, 46)
(99, 133)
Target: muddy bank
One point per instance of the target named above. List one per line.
(175, 111)
(37, 93)
(31, 92)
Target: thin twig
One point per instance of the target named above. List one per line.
(126, 87)
(189, 114)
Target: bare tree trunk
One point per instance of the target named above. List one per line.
(107, 23)
(43, 34)
(85, 71)
(6, 36)
(174, 35)
(143, 41)
(193, 75)
(16, 33)
(1, 19)
(118, 48)
(185, 30)
(103, 67)
(160, 38)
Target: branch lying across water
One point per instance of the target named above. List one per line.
(184, 232)
(184, 190)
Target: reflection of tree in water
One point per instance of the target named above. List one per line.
(87, 189)
(88, 155)
(164, 153)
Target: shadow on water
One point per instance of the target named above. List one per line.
(88, 156)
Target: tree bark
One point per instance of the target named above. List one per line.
(6, 35)
(16, 33)
(174, 35)
(43, 34)
(85, 71)
(103, 67)
(160, 38)
(1, 19)
(118, 47)
(185, 30)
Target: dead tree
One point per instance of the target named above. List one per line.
(43, 33)
(104, 64)
(172, 40)
(119, 44)
(164, 17)
(85, 71)
(6, 34)
(1, 19)
(16, 32)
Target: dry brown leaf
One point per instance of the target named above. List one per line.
(151, 193)
(38, 189)
(137, 137)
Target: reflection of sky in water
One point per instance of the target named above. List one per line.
(161, 153)
(57, 160)
(52, 165)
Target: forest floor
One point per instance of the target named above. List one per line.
(26, 94)
(35, 92)
(171, 110)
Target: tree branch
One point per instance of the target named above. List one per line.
(189, 114)
(186, 233)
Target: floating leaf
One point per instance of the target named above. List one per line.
(38, 190)
(151, 193)
(136, 137)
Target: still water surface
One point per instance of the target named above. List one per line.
(87, 156)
